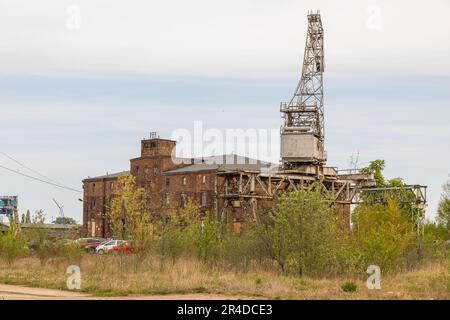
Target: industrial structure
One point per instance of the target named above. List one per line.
(9, 208)
(235, 188)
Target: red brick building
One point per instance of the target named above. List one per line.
(169, 181)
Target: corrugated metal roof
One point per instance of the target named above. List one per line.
(110, 175)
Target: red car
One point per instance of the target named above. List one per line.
(125, 247)
(88, 244)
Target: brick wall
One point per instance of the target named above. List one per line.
(196, 186)
(96, 196)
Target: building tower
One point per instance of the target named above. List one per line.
(302, 135)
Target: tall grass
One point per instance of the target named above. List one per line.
(115, 275)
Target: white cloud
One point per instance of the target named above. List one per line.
(218, 37)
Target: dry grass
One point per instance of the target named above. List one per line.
(115, 275)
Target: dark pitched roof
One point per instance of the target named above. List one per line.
(110, 175)
(230, 162)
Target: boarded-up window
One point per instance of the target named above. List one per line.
(184, 200)
(92, 203)
(167, 198)
(204, 199)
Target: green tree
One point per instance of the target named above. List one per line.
(39, 236)
(177, 236)
(65, 220)
(206, 237)
(129, 214)
(443, 213)
(304, 231)
(12, 244)
(376, 168)
(381, 235)
(390, 189)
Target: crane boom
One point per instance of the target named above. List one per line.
(303, 132)
(60, 207)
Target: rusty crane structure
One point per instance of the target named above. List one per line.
(242, 193)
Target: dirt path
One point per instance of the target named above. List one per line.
(13, 292)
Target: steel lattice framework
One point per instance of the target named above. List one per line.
(305, 111)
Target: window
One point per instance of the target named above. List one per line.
(167, 182)
(93, 187)
(167, 198)
(137, 170)
(184, 180)
(204, 179)
(183, 200)
(111, 185)
(147, 172)
(204, 199)
(155, 170)
(92, 203)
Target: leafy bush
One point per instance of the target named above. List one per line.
(206, 238)
(70, 251)
(46, 250)
(12, 245)
(238, 250)
(304, 232)
(349, 287)
(381, 236)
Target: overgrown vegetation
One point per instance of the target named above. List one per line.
(300, 238)
(12, 245)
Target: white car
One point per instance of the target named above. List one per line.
(108, 246)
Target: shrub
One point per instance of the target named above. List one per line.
(240, 249)
(349, 287)
(381, 236)
(303, 233)
(70, 251)
(46, 250)
(12, 245)
(206, 238)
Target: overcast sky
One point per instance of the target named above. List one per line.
(81, 82)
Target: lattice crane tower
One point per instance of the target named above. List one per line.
(303, 134)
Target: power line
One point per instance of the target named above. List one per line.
(41, 180)
(28, 168)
